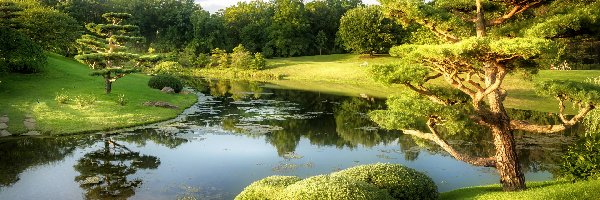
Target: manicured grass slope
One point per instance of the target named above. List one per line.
(34, 95)
(320, 72)
(551, 190)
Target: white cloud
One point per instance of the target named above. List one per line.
(215, 5)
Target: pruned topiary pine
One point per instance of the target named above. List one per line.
(106, 52)
(400, 182)
(267, 188)
(325, 187)
(473, 51)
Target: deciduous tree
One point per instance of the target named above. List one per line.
(367, 30)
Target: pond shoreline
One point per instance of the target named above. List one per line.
(120, 129)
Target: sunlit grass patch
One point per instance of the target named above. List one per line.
(35, 95)
(350, 73)
(549, 190)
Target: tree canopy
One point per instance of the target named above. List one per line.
(478, 44)
(105, 51)
(367, 30)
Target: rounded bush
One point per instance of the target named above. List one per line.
(168, 67)
(267, 188)
(401, 182)
(325, 187)
(163, 80)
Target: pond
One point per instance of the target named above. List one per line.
(240, 132)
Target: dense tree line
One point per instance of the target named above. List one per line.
(275, 28)
(278, 28)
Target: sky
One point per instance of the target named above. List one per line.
(214, 5)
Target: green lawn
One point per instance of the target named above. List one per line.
(550, 190)
(343, 74)
(34, 95)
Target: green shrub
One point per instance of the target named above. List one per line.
(267, 188)
(582, 160)
(241, 58)
(121, 100)
(168, 67)
(258, 62)
(19, 54)
(84, 100)
(62, 97)
(164, 80)
(326, 187)
(401, 182)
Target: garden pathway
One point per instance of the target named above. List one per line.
(29, 123)
(4, 126)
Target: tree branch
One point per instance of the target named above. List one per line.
(516, 10)
(451, 79)
(526, 126)
(433, 136)
(440, 33)
(432, 77)
(428, 94)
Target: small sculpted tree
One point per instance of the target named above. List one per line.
(475, 53)
(106, 53)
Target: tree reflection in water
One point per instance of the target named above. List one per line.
(19, 154)
(106, 172)
(342, 122)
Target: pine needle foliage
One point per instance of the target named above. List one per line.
(105, 50)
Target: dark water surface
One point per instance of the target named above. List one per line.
(240, 132)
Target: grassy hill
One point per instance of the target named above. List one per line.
(343, 74)
(34, 95)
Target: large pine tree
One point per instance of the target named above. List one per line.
(479, 43)
(105, 51)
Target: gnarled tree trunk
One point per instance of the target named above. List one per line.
(507, 162)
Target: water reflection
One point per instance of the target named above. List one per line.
(105, 173)
(329, 120)
(17, 155)
(240, 132)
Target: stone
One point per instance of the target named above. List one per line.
(3, 126)
(29, 125)
(168, 90)
(161, 104)
(4, 119)
(4, 133)
(32, 120)
(32, 133)
(184, 92)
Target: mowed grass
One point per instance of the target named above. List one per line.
(34, 94)
(343, 74)
(549, 190)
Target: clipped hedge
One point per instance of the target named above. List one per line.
(401, 182)
(374, 181)
(267, 188)
(164, 80)
(325, 187)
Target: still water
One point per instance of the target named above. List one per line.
(240, 132)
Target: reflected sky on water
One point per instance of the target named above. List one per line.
(240, 132)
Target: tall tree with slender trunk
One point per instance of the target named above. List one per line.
(106, 52)
(481, 43)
